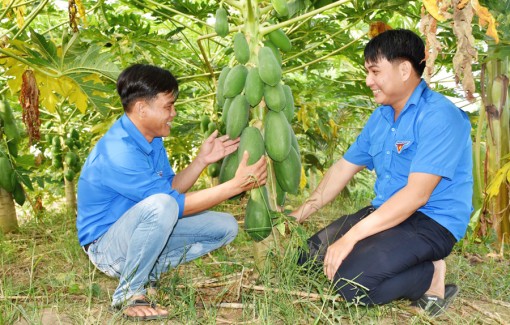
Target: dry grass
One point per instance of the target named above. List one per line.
(45, 278)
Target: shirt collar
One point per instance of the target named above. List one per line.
(387, 111)
(135, 134)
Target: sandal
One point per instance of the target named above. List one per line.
(435, 306)
(135, 303)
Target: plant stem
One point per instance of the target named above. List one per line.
(326, 56)
(269, 29)
(31, 18)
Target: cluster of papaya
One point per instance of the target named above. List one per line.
(9, 180)
(64, 154)
(257, 83)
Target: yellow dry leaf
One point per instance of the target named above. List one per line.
(94, 78)
(81, 11)
(79, 98)
(377, 28)
(486, 18)
(20, 16)
(462, 4)
(334, 128)
(302, 181)
(433, 9)
(302, 116)
(15, 72)
(47, 97)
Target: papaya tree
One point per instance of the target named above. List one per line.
(11, 172)
(493, 137)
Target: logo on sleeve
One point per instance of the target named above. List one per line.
(401, 145)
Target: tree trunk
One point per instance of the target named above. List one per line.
(497, 108)
(70, 195)
(8, 220)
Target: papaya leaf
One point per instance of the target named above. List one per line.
(25, 161)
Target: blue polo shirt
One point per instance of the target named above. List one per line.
(122, 170)
(431, 135)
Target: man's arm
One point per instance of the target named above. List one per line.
(246, 178)
(331, 185)
(213, 149)
(394, 211)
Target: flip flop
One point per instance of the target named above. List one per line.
(139, 302)
(435, 306)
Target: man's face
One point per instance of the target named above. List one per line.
(160, 113)
(385, 80)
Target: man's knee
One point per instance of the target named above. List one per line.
(164, 209)
(231, 228)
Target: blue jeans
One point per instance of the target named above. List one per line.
(149, 239)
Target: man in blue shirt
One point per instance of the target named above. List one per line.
(136, 218)
(418, 143)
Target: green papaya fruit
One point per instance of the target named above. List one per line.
(275, 97)
(18, 194)
(293, 141)
(289, 108)
(220, 98)
(214, 169)
(69, 175)
(280, 39)
(276, 51)
(71, 158)
(226, 107)
(251, 141)
(280, 6)
(277, 135)
(7, 177)
(204, 123)
(57, 161)
(241, 48)
(254, 87)
(221, 24)
(228, 167)
(257, 220)
(288, 172)
(237, 117)
(75, 134)
(280, 195)
(235, 80)
(269, 70)
(56, 142)
(211, 127)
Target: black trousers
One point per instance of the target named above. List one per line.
(393, 264)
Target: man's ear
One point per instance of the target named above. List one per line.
(406, 70)
(140, 108)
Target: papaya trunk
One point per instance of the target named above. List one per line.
(8, 220)
(70, 195)
(497, 108)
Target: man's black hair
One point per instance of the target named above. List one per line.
(396, 45)
(143, 81)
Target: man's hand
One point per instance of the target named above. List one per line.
(252, 176)
(336, 254)
(215, 148)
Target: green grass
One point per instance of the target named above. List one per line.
(45, 278)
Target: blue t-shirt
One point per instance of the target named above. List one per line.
(431, 136)
(122, 170)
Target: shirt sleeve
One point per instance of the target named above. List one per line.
(442, 137)
(359, 151)
(132, 176)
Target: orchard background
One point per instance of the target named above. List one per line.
(59, 62)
